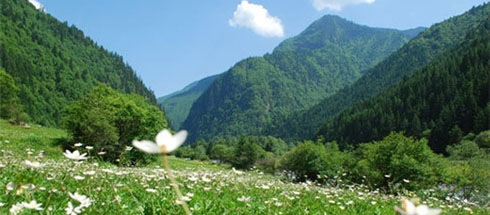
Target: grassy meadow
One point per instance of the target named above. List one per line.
(59, 185)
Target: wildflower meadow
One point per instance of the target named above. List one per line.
(37, 177)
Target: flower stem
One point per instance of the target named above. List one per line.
(174, 184)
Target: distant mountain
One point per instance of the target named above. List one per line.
(54, 64)
(444, 100)
(178, 104)
(330, 54)
(414, 31)
(425, 47)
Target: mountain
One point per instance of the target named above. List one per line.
(425, 47)
(414, 31)
(54, 64)
(178, 104)
(327, 56)
(444, 100)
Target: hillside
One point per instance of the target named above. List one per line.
(178, 104)
(53, 63)
(330, 54)
(425, 47)
(444, 100)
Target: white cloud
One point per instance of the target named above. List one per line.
(37, 4)
(337, 5)
(256, 18)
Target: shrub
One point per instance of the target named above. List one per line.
(467, 168)
(397, 160)
(247, 153)
(222, 153)
(308, 160)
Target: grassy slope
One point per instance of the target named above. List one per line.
(214, 189)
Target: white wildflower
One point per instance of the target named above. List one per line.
(244, 199)
(70, 210)
(236, 171)
(89, 173)
(75, 155)
(151, 190)
(165, 142)
(10, 186)
(78, 178)
(34, 164)
(32, 205)
(408, 208)
(83, 200)
(16, 209)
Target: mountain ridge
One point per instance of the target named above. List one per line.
(416, 53)
(448, 96)
(258, 89)
(177, 104)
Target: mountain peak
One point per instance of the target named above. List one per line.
(330, 29)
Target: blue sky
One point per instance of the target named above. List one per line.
(171, 43)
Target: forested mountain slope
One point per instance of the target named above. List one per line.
(178, 104)
(444, 100)
(427, 46)
(330, 54)
(53, 63)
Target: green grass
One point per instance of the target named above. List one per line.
(211, 189)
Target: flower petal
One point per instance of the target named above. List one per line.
(163, 137)
(176, 141)
(147, 146)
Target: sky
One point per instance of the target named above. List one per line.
(171, 43)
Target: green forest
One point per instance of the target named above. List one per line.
(419, 51)
(54, 64)
(300, 72)
(369, 113)
(178, 104)
(442, 101)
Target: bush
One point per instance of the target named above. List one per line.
(267, 163)
(483, 139)
(109, 121)
(247, 153)
(469, 165)
(308, 160)
(396, 159)
(222, 153)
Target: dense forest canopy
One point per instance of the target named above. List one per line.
(330, 54)
(442, 101)
(53, 63)
(425, 47)
(178, 104)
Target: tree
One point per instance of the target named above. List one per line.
(247, 153)
(10, 107)
(109, 121)
(223, 153)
